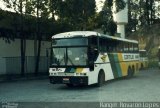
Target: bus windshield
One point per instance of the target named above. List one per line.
(70, 52)
(70, 56)
(70, 42)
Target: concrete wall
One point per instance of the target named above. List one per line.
(2, 66)
(10, 57)
(13, 49)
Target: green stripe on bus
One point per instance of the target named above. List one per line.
(113, 65)
(119, 71)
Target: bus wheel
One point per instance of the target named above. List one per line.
(69, 85)
(101, 79)
(130, 73)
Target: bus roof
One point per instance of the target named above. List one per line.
(87, 34)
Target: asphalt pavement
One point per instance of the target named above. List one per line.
(144, 87)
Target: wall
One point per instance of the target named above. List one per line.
(10, 57)
(13, 49)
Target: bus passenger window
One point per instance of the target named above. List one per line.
(130, 47)
(121, 47)
(135, 47)
(102, 45)
(126, 47)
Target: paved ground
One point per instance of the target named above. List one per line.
(143, 87)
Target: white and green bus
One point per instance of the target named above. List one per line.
(86, 57)
(143, 59)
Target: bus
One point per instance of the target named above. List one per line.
(143, 59)
(88, 57)
(159, 57)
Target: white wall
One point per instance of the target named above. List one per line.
(10, 56)
(13, 49)
(2, 66)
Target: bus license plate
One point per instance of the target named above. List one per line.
(65, 80)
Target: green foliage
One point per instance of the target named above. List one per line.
(120, 5)
(72, 15)
(142, 13)
(10, 26)
(104, 18)
(153, 63)
(78, 13)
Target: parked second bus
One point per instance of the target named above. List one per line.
(143, 59)
(86, 57)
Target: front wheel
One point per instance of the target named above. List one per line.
(101, 79)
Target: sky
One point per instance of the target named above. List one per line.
(99, 4)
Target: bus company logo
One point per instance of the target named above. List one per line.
(104, 58)
(57, 69)
(126, 57)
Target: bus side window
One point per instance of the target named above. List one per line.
(102, 45)
(126, 47)
(135, 47)
(118, 46)
(122, 47)
(130, 47)
(108, 46)
(115, 46)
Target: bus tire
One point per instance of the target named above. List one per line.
(101, 78)
(130, 73)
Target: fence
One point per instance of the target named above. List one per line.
(12, 65)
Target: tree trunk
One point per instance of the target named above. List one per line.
(152, 11)
(38, 57)
(22, 58)
(39, 42)
(147, 12)
(22, 42)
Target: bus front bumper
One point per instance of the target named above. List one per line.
(78, 80)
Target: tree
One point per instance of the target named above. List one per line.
(18, 5)
(141, 13)
(105, 17)
(77, 13)
(53, 6)
(42, 13)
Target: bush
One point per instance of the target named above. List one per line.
(153, 63)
